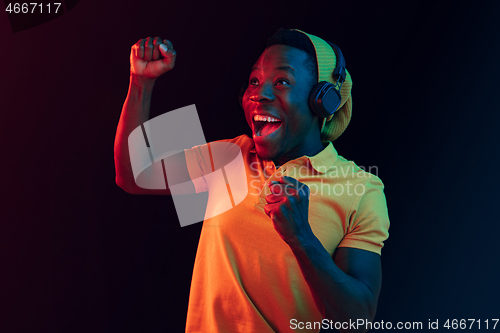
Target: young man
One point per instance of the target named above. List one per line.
(301, 252)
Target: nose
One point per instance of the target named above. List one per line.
(262, 93)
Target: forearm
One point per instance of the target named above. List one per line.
(135, 112)
(338, 296)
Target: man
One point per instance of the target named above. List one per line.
(286, 257)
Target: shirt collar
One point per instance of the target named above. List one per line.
(323, 160)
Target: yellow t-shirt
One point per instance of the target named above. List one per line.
(246, 278)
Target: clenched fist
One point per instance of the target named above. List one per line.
(152, 57)
(288, 208)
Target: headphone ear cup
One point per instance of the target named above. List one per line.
(322, 100)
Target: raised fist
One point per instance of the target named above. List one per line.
(152, 58)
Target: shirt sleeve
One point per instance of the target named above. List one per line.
(368, 218)
(203, 161)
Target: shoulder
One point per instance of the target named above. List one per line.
(368, 198)
(370, 185)
(240, 143)
(348, 170)
(243, 141)
(232, 147)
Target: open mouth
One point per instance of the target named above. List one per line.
(265, 125)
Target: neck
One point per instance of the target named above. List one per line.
(309, 149)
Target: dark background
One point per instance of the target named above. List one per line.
(78, 254)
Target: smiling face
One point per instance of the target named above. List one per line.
(276, 105)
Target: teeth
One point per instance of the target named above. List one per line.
(264, 118)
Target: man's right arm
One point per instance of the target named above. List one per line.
(146, 65)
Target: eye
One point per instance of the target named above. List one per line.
(253, 81)
(282, 81)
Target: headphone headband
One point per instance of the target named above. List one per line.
(340, 68)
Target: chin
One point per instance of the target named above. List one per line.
(264, 153)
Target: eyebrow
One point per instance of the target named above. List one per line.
(282, 68)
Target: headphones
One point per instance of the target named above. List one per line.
(324, 98)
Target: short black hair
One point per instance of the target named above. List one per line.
(300, 41)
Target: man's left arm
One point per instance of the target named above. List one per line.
(346, 288)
